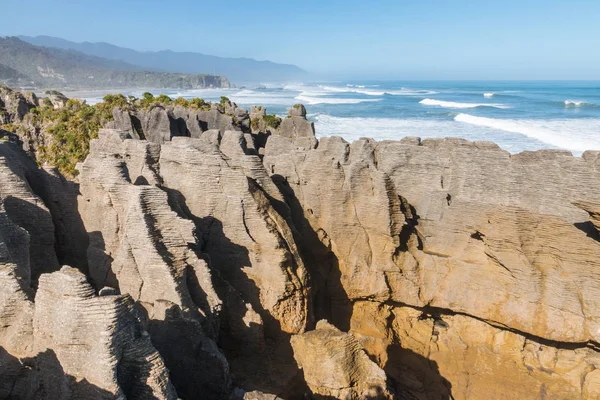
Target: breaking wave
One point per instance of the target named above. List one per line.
(312, 100)
(488, 95)
(371, 92)
(452, 104)
(577, 103)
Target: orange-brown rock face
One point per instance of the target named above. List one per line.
(336, 366)
(463, 268)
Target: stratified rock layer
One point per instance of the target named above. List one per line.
(336, 366)
(155, 225)
(68, 343)
(94, 338)
(461, 233)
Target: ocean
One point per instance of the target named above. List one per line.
(517, 116)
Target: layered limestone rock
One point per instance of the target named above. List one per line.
(248, 241)
(160, 123)
(251, 246)
(94, 338)
(450, 227)
(335, 365)
(593, 209)
(27, 210)
(68, 343)
(143, 248)
(149, 238)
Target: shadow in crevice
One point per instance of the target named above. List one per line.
(259, 354)
(195, 363)
(410, 375)
(409, 228)
(589, 229)
(137, 126)
(100, 271)
(67, 235)
(413, 376)
(328, 298)
(43, 377)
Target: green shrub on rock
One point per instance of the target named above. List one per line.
(182, 102)
(200, 104)
(163, 99)
(272, 120)
(224, 101)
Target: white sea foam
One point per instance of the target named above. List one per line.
(353, 128)
(572, 134)
(310, 100)
(261, 97)
(452, 104)
(202, 93)
(576, 135)
(324, 90)
(488, 95)
(368, 92)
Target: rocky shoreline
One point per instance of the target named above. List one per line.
(213, 252)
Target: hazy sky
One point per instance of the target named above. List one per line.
(418, 39)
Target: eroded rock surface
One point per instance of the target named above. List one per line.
(335, 365)
(459, 233)
(203, 256)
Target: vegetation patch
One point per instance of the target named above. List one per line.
(67, 131)
(272, 120)
(70, 130)
(8, 128)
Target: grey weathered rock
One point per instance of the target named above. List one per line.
(142, 247)
(189, 118)
(158, 126)
(215, 119)
(123, 121)
(16, 104)
(458, 269)
(68, 343)
(96, 338)
(296, 125)
(297, 110)
(27, 210)
(57, 99)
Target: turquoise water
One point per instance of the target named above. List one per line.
(516, 115)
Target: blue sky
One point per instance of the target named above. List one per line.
(425, 39)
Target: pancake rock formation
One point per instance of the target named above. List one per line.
(209, 254)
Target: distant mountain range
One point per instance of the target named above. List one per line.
(24, 64)
(239, 70)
